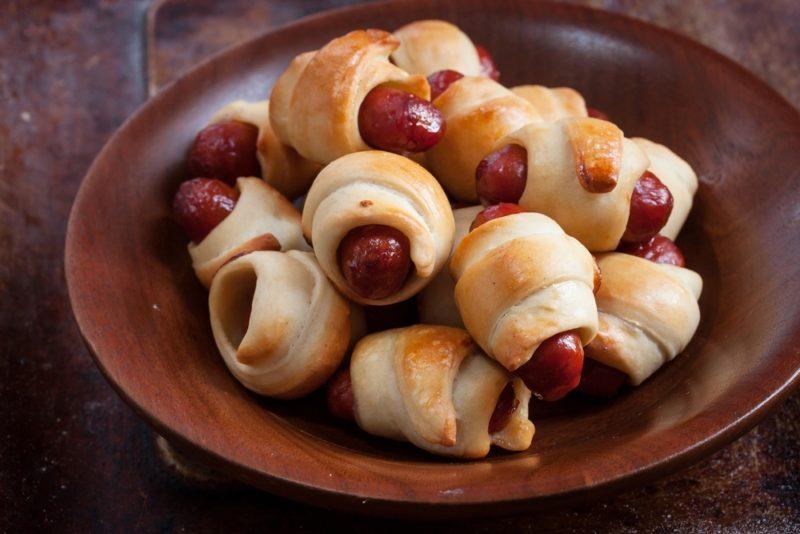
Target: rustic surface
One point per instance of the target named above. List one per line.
(73, 456)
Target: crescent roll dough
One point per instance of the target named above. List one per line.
(432, 386)
(376, 187)
(678, 176)
(564, 155)
(298, 328)
(648, 314)
(428, 46)
(281, 166)
(520, 280)
(553, 104)
(436, 303)
(478, 111)
(261, 220)
(315, 102)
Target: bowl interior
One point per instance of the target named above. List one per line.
(144, 316)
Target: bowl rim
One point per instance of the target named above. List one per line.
(735, 425)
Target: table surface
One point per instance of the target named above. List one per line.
(73, 456)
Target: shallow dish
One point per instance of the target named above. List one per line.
(144, 316)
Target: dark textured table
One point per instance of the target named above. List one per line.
(74, 457)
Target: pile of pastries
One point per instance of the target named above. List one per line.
(535, 239)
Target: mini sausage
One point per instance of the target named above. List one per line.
(339, 395)
(501, 176)
(201, 204)
(398, 121)
(651, 205)
(597, 114)
(600, 380)
(507, 404)
(488, 66)
(375, 260)
(659, 249)
(555, 368)
(441, 80)
(225, 151)
(494, 212)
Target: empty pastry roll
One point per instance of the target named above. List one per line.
(478, 111)
(432, 386)
(553, 104)
(648, 314)
(315, 102)
(365, 190)
(436, 303)
(520, 280)
(262, 220)
(572, 163)
(278, 323)
(678, 176)
(427, 46)
(281, 166)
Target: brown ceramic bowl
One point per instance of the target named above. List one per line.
(144, 316)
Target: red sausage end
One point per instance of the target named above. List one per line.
(398, 121)
(600, 380)
(201, 204)
(659, 249)
(651, 205)
(506, 405)
(502, 175)
(488, 66)
(225, 151)
(441, 80)
(494, 212)
(375, 260)
(339, 396)
(597, 114)
(555, 368)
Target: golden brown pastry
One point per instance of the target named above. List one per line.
(368, 189)
(436, 303)
(648, 314)
(427, 46)
(262, 220)
(553, 104)
(432, 386)
(581, 172)
(520, 280)
(281, 166)
(278, 322)
(315, 102)
(479, 112)
(678, 176)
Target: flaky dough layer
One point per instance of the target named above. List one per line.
(315, 102)
(478, 111)
(430, 385)
(262, 220)
(648, 314)
(278, 322)
(377, 187)
(554, 103)
(437, 302)
(520, 280)
(564, 155)
(428, 46)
